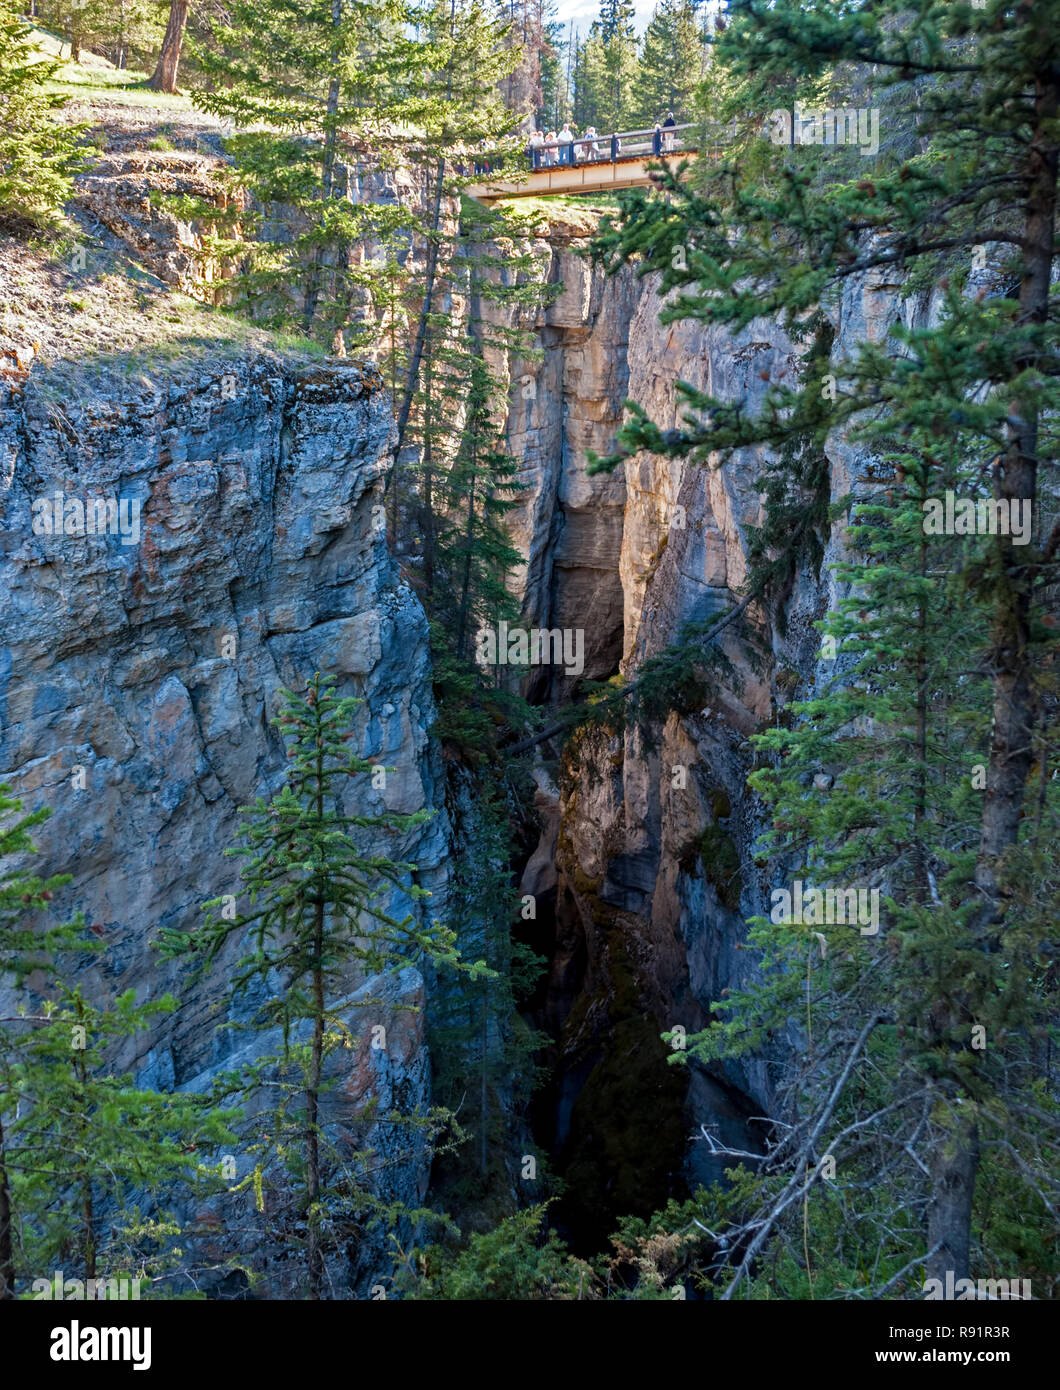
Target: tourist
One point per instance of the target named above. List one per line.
(668, 131)
(566, 141)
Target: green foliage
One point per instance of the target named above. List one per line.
(316, 924)
(127, 34)
(605, 70)
(944, 648)
(79, 1140)
(310, 90)
(670, 66)
(513, 1261)
(38, 155)
(481, 1048)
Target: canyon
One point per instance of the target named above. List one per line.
(139, 684)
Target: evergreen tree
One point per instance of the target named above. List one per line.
(86, 1140)
(605, 70)
(164, 77)
(459, 482)
(38, 155)
(316, 919)
(481, 1046)
(670, 67)
(777, 235)
(76, 1139)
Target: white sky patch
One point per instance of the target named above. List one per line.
(583, 12)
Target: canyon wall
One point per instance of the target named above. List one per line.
(646, 868)
(140, 677)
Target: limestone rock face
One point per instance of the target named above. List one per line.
(141, 670)
(127, 191)
(654, 829)
(566, 404)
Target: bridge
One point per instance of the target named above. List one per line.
(595, 164)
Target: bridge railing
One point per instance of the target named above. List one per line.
(604, 149)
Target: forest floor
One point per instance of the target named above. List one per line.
(80, 295)
(119, 108)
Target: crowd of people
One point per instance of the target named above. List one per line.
(568, 147)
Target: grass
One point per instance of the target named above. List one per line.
(115, 320)
(115, 87)
(577, 215)
(95, 79)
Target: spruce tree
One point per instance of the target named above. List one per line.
(670, 66)
(89, 1147)
(316, 920)
(482, 1047)
(78, 1141)
(38, 155)
(966, 182)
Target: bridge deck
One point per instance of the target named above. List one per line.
(600, 165)
(603, 177)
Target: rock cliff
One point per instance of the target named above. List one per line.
(645, 865)
(141, 670)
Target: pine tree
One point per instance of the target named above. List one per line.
(979, 178)
(670, 67)
(480, 1044)
(38, 155)
(316, 919)
(76, 1138)
(87, 1139)
(311, 83)
(606, 68)
(459, 481)
(23, 949)
(164, 78)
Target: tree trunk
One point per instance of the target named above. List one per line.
(956, 1155)
(428, 292)
(88, 1215)
(7, 1245)
(1015, 479)
(165, 74)
(954, 1160)
(427, 520)
(483, 1087)
(312, 293)
(421, 327)
(312, 1137)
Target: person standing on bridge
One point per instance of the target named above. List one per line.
(669, 125)
(550, 147)
(536, 142)
(566, 143)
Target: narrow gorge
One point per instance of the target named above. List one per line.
(137, 704)
(529, 577)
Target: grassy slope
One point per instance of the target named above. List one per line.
(112, 315)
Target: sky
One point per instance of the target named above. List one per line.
(583, 12)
